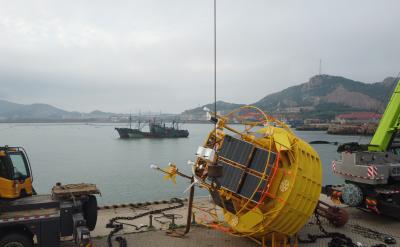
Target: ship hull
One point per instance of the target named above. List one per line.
(155, 132)
(126, 133)
(158, 131)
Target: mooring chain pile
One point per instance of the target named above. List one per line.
(372, 234)
(337, 239)
(118, 226)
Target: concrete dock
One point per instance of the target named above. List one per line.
(206, 237)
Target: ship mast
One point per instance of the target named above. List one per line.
(140, 115)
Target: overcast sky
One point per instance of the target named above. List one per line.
(123, 56)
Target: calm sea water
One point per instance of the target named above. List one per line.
(72, 153)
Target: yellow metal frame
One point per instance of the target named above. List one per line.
(276, 240)
(292, 194)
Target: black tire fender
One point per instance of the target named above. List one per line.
(90, 212)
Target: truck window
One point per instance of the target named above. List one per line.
(4, 171)
(20, 166)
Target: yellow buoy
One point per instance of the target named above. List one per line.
(264, 177)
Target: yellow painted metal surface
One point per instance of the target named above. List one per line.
(266, 199)
(293, 188)
(10, 189)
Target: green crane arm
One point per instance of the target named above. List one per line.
(388, 125)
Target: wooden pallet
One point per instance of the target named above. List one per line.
(74, 190)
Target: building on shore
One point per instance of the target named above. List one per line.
(358, 118)
(355, 123)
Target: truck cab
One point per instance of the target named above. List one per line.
(15, 173)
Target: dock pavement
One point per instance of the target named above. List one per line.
(202, 236)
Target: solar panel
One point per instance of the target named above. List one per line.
(243, 181)
(260, 159)
(231, 177)
(250, 185)
(236, 150)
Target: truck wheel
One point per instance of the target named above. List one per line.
(16, 240)
(90, 212)
(352, 195)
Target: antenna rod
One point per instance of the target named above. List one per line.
(130, 120)
(215, 58)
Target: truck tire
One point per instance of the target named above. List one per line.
(352, 195)
(16, 240)
(90, 212)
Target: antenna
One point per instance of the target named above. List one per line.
(215, 62)
(130, 119)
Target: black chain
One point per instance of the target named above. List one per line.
(319, 224)
(122, 241)
(117, 226)
(337, 239)
(372, 234)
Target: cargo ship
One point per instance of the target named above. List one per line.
(126, 133)
(157, 130)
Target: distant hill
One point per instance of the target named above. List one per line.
(14, 112)
(326, 89)
(324, 96)
(99, 114)
(6, 107)
(198, 113)
(10, 111)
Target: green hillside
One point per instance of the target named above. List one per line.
(323, 96)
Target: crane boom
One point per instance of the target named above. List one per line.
(389, 124)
